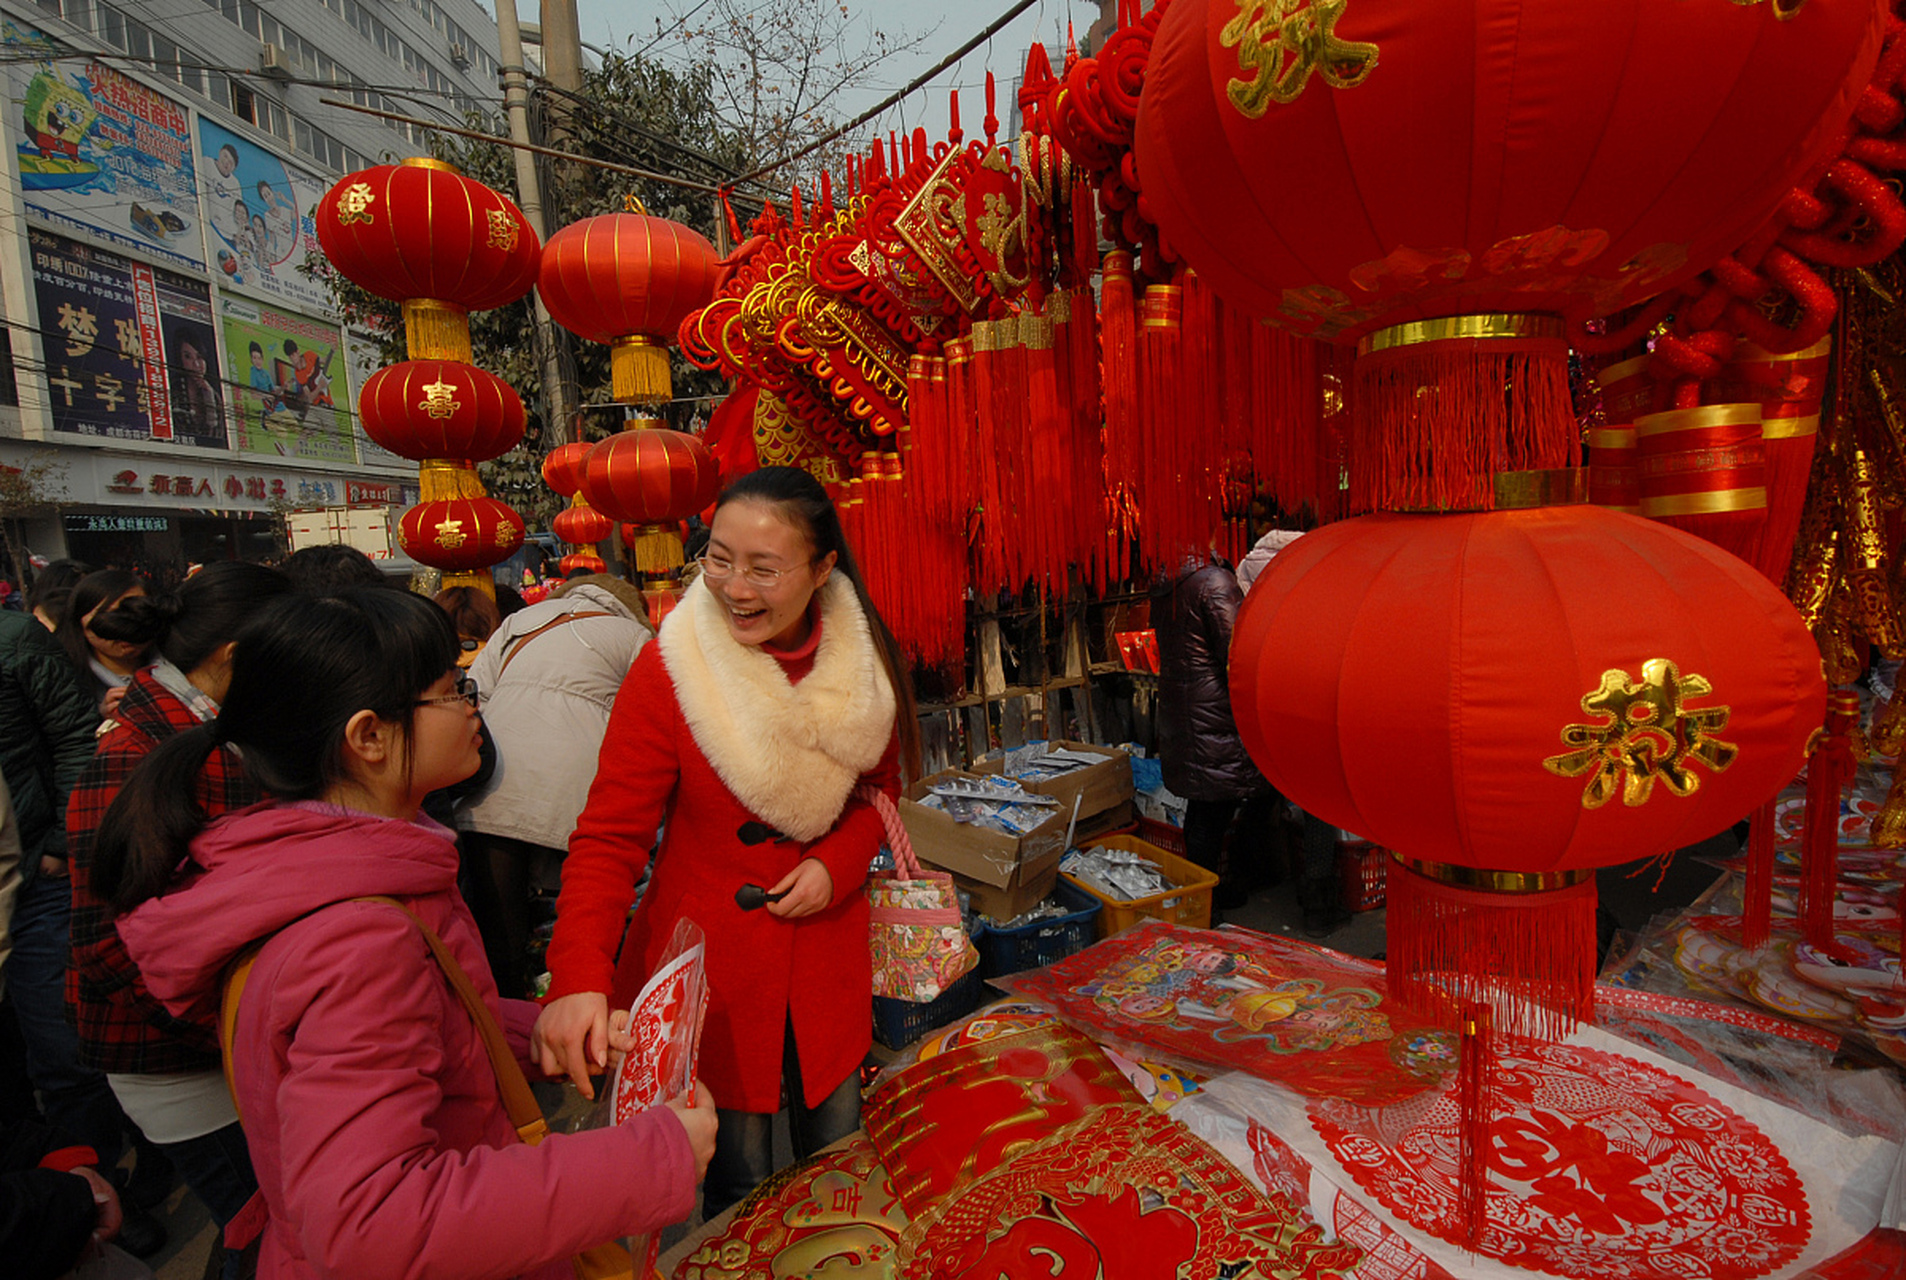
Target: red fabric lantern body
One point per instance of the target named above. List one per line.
(440, 409)
(628, 279)
(582, 562)
(650, 476)
(562, 469)
(1339, 168)
(582, 525)
(420, 229)
(460, 534)
(1411, 678)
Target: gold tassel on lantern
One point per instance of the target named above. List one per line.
(442, 478)
(437, 331)
(478, 578)
(638, 371)
(657, 550)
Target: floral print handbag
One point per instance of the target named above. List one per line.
(915, 935)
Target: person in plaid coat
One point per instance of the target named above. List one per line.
(165, 1070)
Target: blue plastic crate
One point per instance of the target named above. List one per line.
(898, 1023)
(1043, 942)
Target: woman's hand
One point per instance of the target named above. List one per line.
(696, 1111)
(571, 1037)
(807, 889)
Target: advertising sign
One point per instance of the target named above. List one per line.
(130, 349)
(100, 153)
(287, 376)
(362, 350)
(258, 217)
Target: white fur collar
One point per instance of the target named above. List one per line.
(791, 753)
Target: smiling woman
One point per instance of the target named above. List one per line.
(772, 696)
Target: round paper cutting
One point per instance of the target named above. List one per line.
(1600, 1168)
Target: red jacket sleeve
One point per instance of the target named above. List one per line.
(636, 776)
(847, 849)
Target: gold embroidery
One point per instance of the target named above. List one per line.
(437, 402)
(1651, 735)
(354, 204)
(503, 230)
(450, 534)
(505, 536)
(1281, 42)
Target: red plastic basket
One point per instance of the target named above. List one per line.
(1364, 870)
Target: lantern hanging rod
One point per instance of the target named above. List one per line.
(918, 82)
(647, 174)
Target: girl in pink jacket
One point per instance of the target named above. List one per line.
(370, 1107)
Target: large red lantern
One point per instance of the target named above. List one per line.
(422, 234)
(650, 476)
(562, 468)
(460, 534)
(582, 525)
(440, 409)
(628, 279)
(1340, 168)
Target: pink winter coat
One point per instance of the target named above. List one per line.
(371, 1110)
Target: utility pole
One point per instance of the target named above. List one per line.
(559, 404)
(562, 44)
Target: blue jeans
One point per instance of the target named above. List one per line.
(73, 1096)
(217, 1167)
(744, 1140)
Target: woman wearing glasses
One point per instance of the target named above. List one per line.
(772, 693)
(371, 1107)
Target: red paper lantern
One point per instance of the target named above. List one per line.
(440, 409)
(460, 533)
(1421, 680)
(628, 279)
(1340, 168)
(581, 562)
(562, 469)
(582, 525)
(420, 229)
(650, 476)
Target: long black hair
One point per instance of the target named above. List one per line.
(802, 501)
(190, 621)
(89, 593)
(301, 670)
(53, 587)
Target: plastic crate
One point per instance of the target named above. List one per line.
(1189, 903)
(1364, 870)
(1167, 837)
(1035, 945)
(898, 1023)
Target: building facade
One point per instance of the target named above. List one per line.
(177, 372)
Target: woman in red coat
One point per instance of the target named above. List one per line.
(772, 692)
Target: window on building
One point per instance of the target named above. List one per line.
(244, 102)
(9, 389)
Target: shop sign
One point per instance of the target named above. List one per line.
(362, 493)
(116, 524)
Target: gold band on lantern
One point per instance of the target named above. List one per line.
(1702, 417)
(1618, 372)
(1705, 504)
(1609, 437)
(1746, 351)
(1493, 880)
(436, 330)
(1790, 428)
(1552, 487)
(426, 162)
(1486, 327)
(638, 370)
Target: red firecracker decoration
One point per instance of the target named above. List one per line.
(628, 280)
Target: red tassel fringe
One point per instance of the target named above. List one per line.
(1476, 1110)
(1529, 956)
(1828, 771)
(1757, 903)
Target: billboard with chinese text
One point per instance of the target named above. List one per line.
(289, 397)
(363, 354)
(130, 349)
(100, 153)
(258, 219)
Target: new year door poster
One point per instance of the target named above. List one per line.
(286, 373)
(130, 351)
(101, 154)
(258, 219)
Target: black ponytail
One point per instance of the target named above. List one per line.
(190, 622)
(805, 504)
(89, 593)
(152, 820)
(300, 671)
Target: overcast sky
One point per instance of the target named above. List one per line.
(946, 25)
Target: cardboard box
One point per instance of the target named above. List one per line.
(1120, 817)
(999, 870)
(1098, 787)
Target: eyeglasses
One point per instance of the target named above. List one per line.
(717, 569)
(467, 693)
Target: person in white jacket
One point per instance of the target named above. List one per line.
(546, 680)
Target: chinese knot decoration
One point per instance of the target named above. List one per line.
(423, 235)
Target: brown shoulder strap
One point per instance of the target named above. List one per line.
(518, 1102)
(516, 645)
